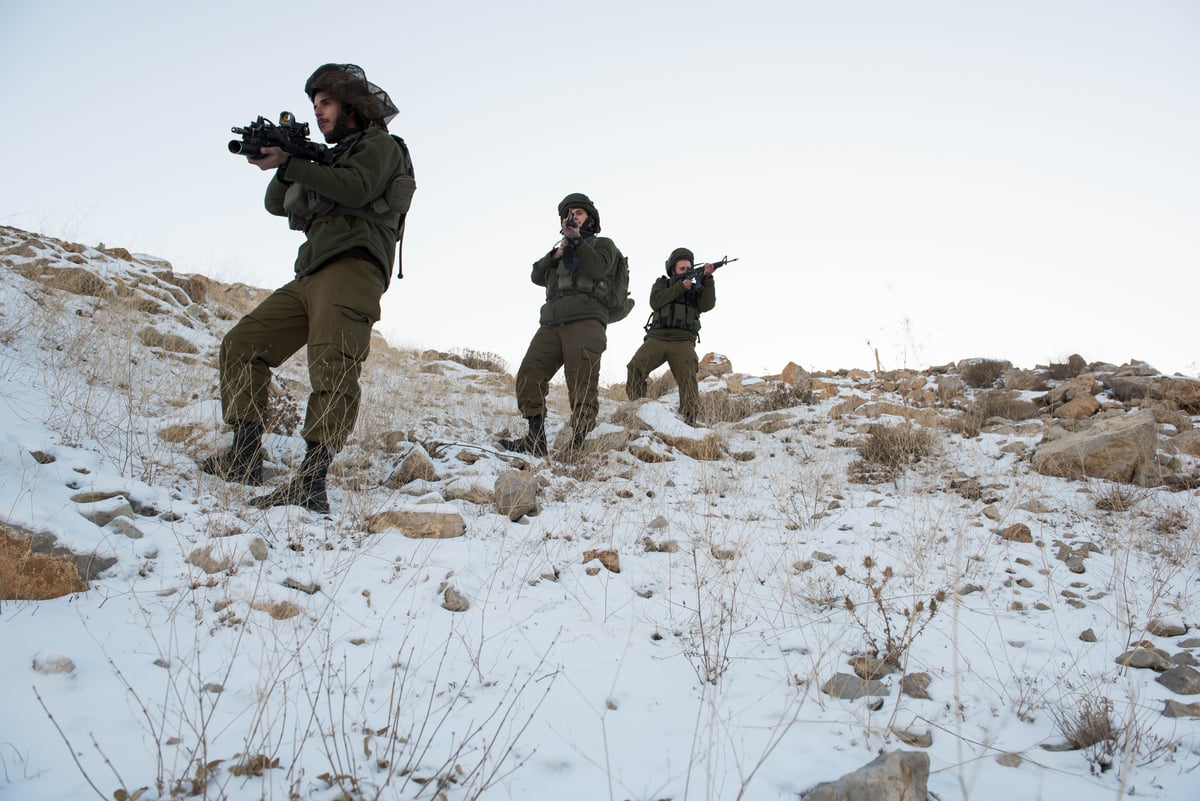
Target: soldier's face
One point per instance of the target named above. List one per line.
(682, 266)
(578, 215)
(327, 110)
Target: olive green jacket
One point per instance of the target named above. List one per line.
(571, 294)
(358, 171)
(675, 311)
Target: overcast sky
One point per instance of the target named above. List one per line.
(935, 180)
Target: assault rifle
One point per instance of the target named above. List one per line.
(289, 135)
(697, 272)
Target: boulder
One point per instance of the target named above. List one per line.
(516, 494)
(34, 567)
(419, 524)
(1118, 449)
(892, 776)
(714, 364)
(416, 466)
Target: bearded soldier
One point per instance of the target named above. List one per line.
(351, 204)
(672, 331)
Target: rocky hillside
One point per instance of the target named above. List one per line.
(987, 572)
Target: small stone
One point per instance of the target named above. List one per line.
(1166, 628)
(1087, 635)
(849, 687)
(258, 548)
(1009, 760)
(1017, 532)
(610, 559)
(916, 685)
(1145, 658)
(1178, 709)
(1182, 680)
(916, 739)
(52, 663)
(454, 601)
(867, 668)
(308, 588)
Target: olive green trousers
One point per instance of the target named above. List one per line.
(575, 347)
(331, 312)
(680, 356)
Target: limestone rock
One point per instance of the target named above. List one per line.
(34, 567)
(1182, 680)
(714, 364)
(172, 343)
(416, 465)
(1178, 709)
(916, 685)
(1161, 627)
(1017, 532)
(1151, 658)
(796, 376)
(850, 687)
(419, 525)
(610, 559)
(516, 494)
(454, 601)
(52, 663)
(1117, 449)
(708, 448)
(205, 559)
(892, 776)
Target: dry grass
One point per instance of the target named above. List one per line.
(986, 405)
(890, 450)
(479, 360)
(1120, 498)
(983, 373)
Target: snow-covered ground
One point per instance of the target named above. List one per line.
(664, 627)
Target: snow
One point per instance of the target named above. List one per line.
(693, 673)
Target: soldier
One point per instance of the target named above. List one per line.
(572, 330)
(351, 206)
(672, 332)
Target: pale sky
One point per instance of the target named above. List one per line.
(937, 180)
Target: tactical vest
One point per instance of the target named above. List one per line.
(306, 206)
(569, 282)
(683, 314)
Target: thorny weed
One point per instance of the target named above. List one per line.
(900, 618)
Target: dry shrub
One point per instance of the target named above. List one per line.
(1172, 522)
(889, 450)
(1075, 365)
(720, 406)
(1119, 498)
(783, 396)
(901, 619)
(983, 373)
(660, 385)
(479, 360)
(1088, 723)
(1004, 403)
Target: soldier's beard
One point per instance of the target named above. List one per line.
(338, 131)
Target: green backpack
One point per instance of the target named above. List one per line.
(616, 291)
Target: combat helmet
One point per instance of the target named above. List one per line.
(348, 84)
(578, 200)
(676, 255)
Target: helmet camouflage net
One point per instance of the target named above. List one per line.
(348, 84)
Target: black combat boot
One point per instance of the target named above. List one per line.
(307, 488)
(243, 462)
(578, 439)
(533, 442)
